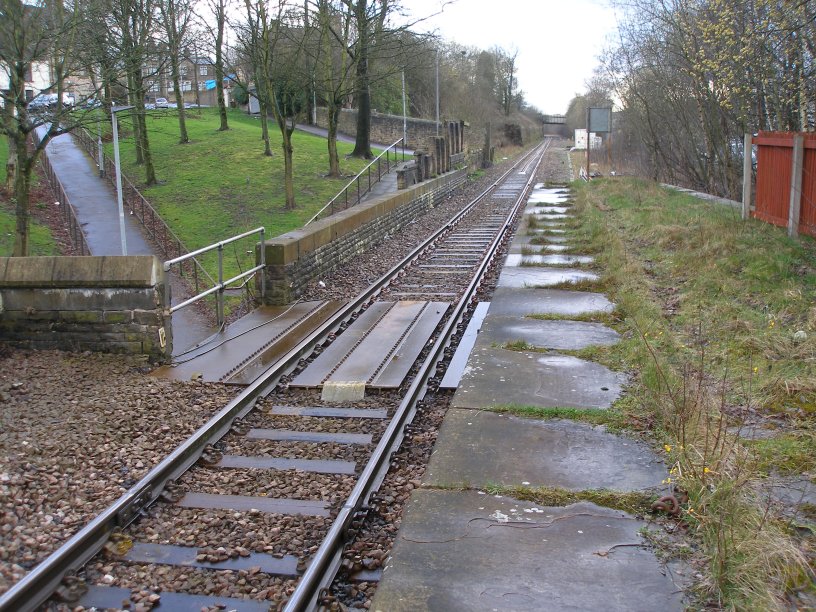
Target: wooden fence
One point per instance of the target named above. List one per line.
(786, 181)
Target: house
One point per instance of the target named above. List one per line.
(196, 76)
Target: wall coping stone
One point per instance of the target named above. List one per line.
(289, 247)
(94, 271)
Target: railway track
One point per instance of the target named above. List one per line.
(254, 509)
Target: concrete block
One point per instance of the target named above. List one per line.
(118, 316)
(27, 271)
(131, 271)
(343, 391)
(76, 272)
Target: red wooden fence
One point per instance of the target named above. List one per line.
(773, 180)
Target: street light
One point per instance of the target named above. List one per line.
(119, 203)
(437, 91)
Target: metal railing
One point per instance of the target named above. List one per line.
(161, 234)
(359, 186)
(222, 284)
(68, 213)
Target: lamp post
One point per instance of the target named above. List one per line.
(437, 91)
(119, 203)
(404, 115)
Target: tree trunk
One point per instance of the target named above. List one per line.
(288, 175)
(362, 143)
(183, 137)
(334, 160)
(219, 66)
(265, 127)
(22, 183)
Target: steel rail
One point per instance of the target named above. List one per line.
(323, 566)
(38, 585)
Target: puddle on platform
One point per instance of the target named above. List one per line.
(542, 277)
(515, 260)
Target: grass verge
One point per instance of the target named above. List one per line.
(220, 183)
(717, 323)
(40, 240)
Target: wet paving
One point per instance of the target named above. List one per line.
(520, 555)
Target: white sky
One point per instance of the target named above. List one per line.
(558, 41)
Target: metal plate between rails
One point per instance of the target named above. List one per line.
(398, 336)
(379, 345)
(399, 364)
(332, 413)
(458, 362)
(105, 597)
(245, 503)
(318, 437)
(170, 554)
(338, 350)
(314, 466)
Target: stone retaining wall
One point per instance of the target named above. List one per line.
(298, 257)
(105, 304)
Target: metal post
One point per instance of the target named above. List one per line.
(588, 141)
(437, 92)
(100, 155)
(219, 305)
(404, 116)
(263, 268)
(794, 208)
(119, 203)
(747, 172)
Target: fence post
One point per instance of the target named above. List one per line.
(747, 170)
(796, 185)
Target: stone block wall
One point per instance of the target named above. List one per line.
(298, 257)
(105, 304)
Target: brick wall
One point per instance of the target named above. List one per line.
(105, 304)
(298, 257)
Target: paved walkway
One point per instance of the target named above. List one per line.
(460, 548)
(95, 203)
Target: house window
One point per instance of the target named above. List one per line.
(202, 86)
(186, 86)
(183, 69)
(153, 85)
(202, 70)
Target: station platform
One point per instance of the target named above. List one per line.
(461, 548)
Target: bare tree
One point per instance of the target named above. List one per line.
(273, 41)
(219, 10)
(132, 31)
(176, 16)
(39, 38)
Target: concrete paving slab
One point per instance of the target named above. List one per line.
(542, 277)
(458, 550)
(546, 210)
(552, 216)
(523, 302)
(563, 335)
(477, 448)
(548, 196)
(497, 377)
(555, 248)
(518, 259)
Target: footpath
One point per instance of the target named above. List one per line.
(94, 201)
(462, 548)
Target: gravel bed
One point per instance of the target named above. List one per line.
(299, 450)
(353, 278)
(77, 430)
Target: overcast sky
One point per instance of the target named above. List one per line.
(558, 41)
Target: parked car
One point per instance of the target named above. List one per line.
(161, 103)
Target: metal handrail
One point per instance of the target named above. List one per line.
(222, 284)
(356, 180)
